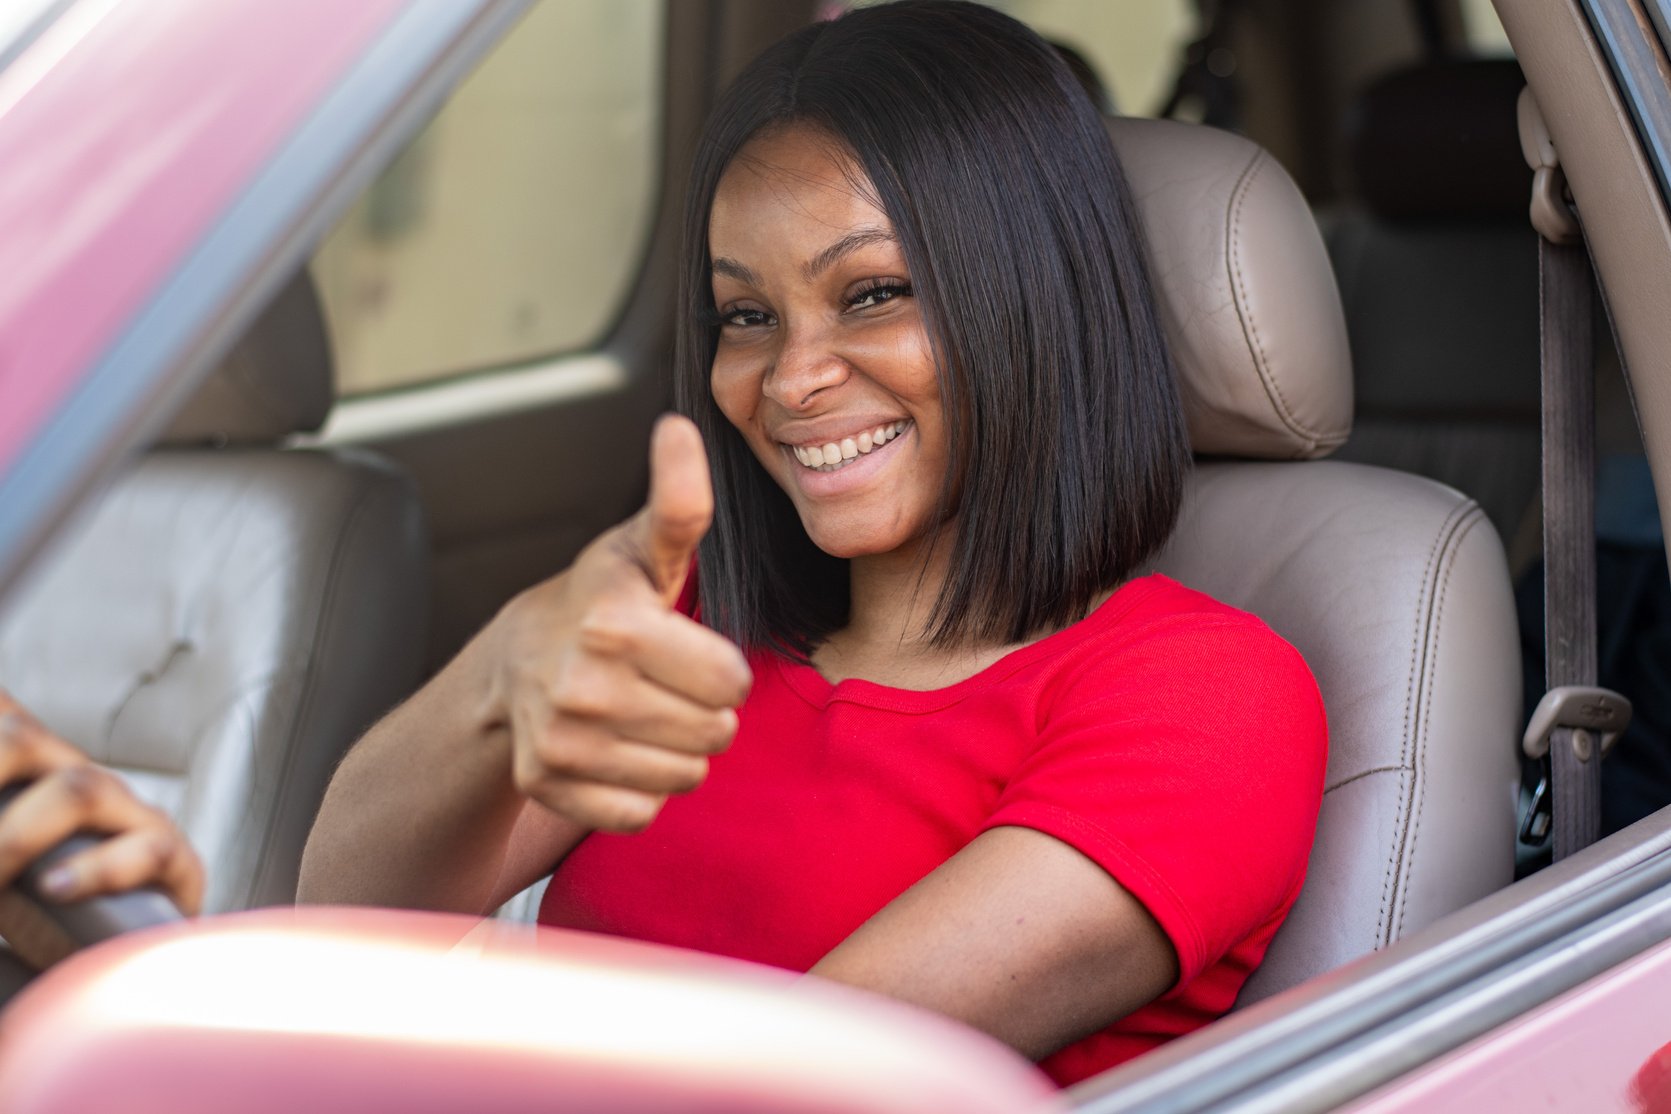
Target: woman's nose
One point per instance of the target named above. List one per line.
(805, 365)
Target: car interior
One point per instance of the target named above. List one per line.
(456, 395)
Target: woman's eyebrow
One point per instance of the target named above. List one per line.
(730, 268)
(818, 264)
(853, 241)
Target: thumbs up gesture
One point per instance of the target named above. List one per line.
(614, 700)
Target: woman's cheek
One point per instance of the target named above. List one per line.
(730, 388)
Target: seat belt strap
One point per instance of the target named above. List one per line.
(1574, 718)
(1569, 553)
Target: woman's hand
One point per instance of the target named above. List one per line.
(68, 794)
(613, 699)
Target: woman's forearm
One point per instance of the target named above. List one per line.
(422, 808)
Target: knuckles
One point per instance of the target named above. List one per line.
(719, 730)
(582, 690)
(84, 785)
(609, 810)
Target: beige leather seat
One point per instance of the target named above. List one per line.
(1393, 587)
(230, 616)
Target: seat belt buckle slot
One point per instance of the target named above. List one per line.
(1587, 711)
(1540, 814)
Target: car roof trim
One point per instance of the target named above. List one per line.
(21, 25)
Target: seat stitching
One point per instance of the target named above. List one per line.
(1390, 871)
(310, 685)
(1452, 549)
(1361, 774)
(1244, 307)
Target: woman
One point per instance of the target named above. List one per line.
(983, 766)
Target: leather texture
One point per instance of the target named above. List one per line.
(1250, 305)
(1395, 590)
(219, 629)
(276, 381)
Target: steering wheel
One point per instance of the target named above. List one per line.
(44, 930)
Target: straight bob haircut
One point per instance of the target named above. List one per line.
(1066, 432)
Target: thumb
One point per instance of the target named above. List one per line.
(681, 504)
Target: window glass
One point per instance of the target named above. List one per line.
(1483, 29)
(1135, 48)
(513, 227)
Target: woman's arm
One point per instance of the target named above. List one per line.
(1018, 935)
(581, 706)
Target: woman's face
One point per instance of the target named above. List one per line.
(823, 363)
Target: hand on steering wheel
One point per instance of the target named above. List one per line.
(81, 858)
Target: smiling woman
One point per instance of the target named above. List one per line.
(916, 724)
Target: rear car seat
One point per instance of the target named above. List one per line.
(231, 615)
(1438, 271)
(1394, 588)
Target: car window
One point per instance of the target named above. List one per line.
(1135, 49)
(513, 226)
(1483, 30)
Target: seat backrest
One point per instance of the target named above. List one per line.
(231, 615)
(1438, 271)
(1393, 587)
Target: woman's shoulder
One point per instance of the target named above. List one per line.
(1157, 612)
(1161, 641)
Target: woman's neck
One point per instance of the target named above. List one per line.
(887, 638)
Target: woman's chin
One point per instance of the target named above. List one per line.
(845, 544)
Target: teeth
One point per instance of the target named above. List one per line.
(832, 455)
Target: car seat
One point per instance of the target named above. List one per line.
(231, 614)
(1393, 587)
(1438, 270)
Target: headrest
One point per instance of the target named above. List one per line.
(276, 381)
(1245, 290)
(1440, 142)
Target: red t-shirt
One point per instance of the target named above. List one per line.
(1175, 741)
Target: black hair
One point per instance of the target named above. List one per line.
(1066, 431)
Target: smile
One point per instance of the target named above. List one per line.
(835, 455)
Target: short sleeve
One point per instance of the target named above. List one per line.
(1188, 763)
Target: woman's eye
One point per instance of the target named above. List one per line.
(746, 318)
(876, 295)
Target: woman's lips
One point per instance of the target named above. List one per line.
(825, 481)
(833, 456)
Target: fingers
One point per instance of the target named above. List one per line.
(27, 749)
(70, 794)
(154, 856)
(613, 699)
(557, 772)
(680, 507)
(604, 808)
(56, 806)
(671, 650)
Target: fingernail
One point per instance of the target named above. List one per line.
(58, 881)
